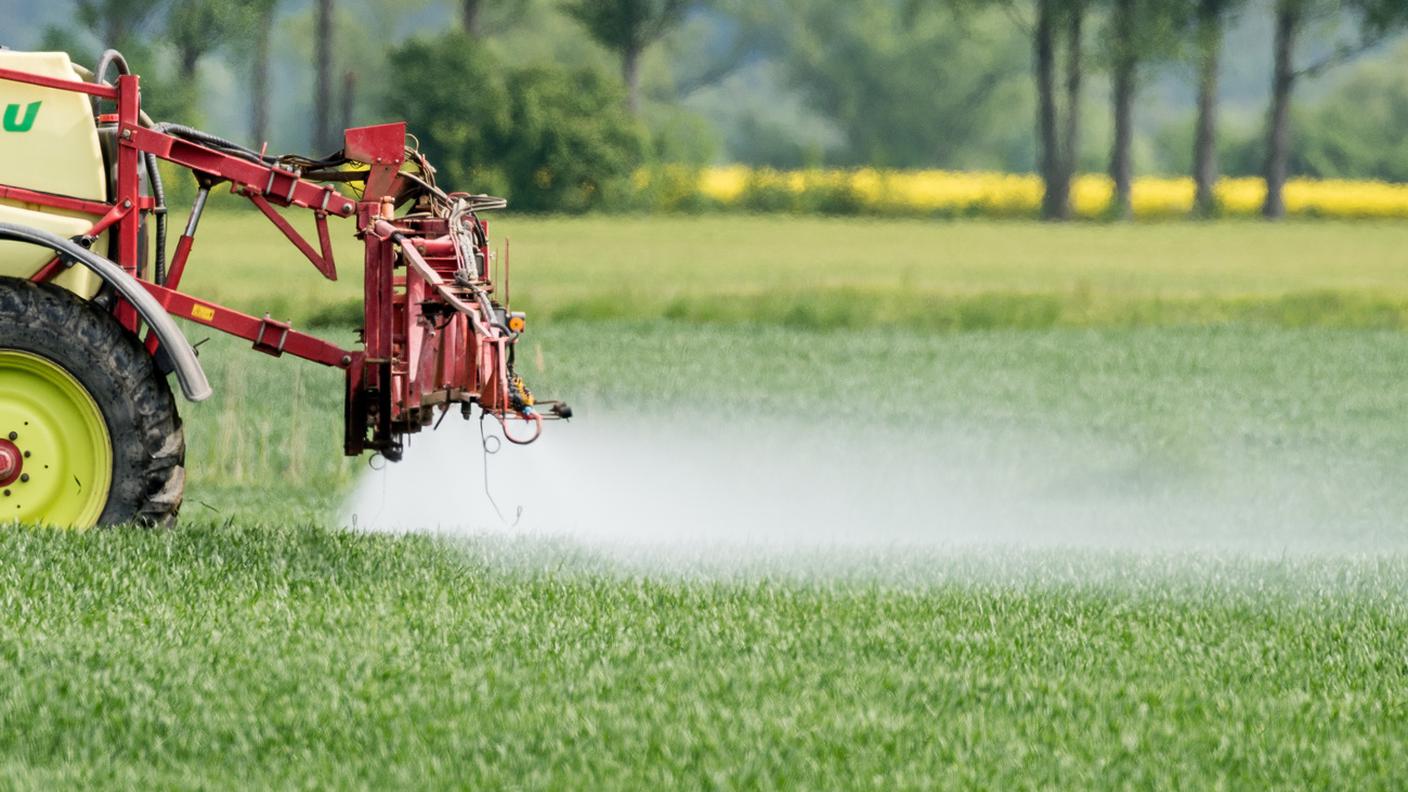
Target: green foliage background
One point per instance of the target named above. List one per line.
(787, 83)
(545, 137)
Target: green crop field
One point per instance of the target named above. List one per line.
(819, 273)
(1184, 441)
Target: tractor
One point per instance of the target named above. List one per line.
(90, 433)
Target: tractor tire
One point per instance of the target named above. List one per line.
(89, 433)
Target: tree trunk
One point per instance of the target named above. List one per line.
(1048, 155)
(1278, 133)
(115, 31)
(187, 59)
(259, 82)
(470, 21)
(1126, 67)
(322, 84)
(1121, 159)
(630, 72)
(349, 99)
(1205, 140)
(1074, 72)
(183, 97)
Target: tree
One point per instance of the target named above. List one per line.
(1378, 19)
(1290, 15)
(1075, 72)
(546, 137)
(115, 22)
(628, 28)
(322, 80)
(480, 18)
(195, 28)
(1210, 19)
(471, 19)
(757, 29)
(1124, 68)
(463, 122)
(1383, 18)
(1140, 31)
(1356, 131)
(1058, 145)
(345, 113)
(920, 87)
(119, 24)
(263, 12)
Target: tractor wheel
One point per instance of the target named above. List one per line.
(89, 433)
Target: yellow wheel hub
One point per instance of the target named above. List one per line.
(55, 451)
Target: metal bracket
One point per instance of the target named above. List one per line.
(276, 174)
(265, 346)
(322, 258)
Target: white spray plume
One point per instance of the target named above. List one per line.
(695, 484)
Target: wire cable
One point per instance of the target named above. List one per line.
(498, 446)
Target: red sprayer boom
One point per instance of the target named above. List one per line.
(436, 335)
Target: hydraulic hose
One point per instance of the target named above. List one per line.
(193, 134)
(92, 77)
(111, 56)
(159, 192)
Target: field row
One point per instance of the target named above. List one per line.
(816, 272)
(892, 193)
(257, 646)
(1262, 440)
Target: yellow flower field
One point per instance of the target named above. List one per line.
(952, 193)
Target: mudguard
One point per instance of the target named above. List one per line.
(189, 373)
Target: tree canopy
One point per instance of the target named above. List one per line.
(1136, 86)
(545, 137)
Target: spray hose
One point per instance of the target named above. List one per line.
(531, 417)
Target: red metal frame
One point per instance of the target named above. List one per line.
(92, 89)
(427, 345)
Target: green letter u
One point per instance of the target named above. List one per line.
(12, 120)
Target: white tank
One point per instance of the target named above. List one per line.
(48, 143)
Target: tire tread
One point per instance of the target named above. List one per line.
(149, 449)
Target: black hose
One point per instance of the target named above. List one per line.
(159, 192)
(110, 57)
(229, 146)
(234, 149)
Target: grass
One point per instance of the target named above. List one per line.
(821, 273)
(276, 657)
(269, 443)
(259, 646)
